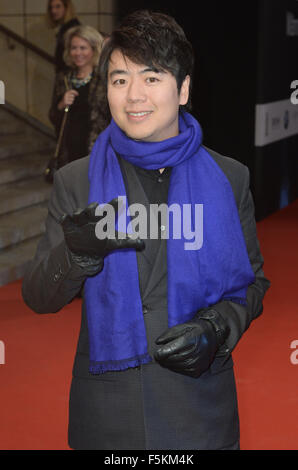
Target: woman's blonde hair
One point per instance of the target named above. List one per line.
(70, 13)
(90, 35)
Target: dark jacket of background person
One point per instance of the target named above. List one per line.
(147, 407)
(66, 19)
(59, 62)
(87, 117)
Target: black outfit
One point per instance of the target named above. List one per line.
(76, 136)
(147, 407)
(78, 125)
(59, 62)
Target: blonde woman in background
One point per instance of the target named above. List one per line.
(61, 13)
(79, 89)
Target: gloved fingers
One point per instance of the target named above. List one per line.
(179, 358)
(128, 242)
(79, 217)
(117, 204)
(102, 210)
(173, 333)
(185, 354)
(172, 348)
(90, 211)
(84, 216)
(66, 220)
(139, 245)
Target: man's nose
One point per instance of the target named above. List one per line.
(136, 91)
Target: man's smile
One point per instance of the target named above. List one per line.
(138, 116)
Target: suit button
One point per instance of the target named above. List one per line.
(145, 309)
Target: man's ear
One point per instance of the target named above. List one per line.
(184, 92)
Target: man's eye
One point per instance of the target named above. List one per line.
(119, 81)
(152, 79)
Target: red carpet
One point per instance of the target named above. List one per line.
(39, 351)
(267, 380)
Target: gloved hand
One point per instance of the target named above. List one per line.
(81, 240)
(190, 348)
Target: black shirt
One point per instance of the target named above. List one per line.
(155, 184)
(156, 188)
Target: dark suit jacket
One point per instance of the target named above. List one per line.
(147, 407)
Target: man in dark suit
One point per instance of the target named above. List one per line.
(160, 315)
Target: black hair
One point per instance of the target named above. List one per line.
(153, 39)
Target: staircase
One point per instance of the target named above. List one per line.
(24, 153)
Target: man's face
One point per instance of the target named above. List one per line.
(144, 102)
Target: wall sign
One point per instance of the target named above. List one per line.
(275, 121)
(292, 24)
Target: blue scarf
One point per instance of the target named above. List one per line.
(219, 270)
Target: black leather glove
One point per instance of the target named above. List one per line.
(191, 347)
(85, 247)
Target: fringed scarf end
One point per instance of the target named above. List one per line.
(97, 367)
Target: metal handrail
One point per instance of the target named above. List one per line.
(16, 37)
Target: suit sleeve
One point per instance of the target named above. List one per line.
(52, 278)
(237, 316)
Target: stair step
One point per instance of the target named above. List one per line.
(6, 117)
(16, 196)
(14, 260)
(10, 124)
(11, 128)
(25, 149)
(28, 166)
(20, 144)
(22, 225)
